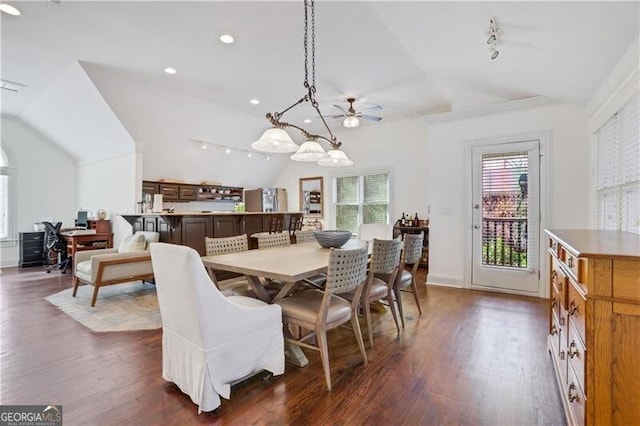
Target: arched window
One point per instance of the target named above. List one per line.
(5, 174)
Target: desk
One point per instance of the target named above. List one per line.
(290, 264)
(86, 242)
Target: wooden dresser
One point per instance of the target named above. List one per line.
(594, 324)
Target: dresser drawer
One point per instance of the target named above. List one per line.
(577, 309)
(32, 236)
(576, 397)
(577, 355)
(560, 283)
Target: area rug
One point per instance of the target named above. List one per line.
(121, 307)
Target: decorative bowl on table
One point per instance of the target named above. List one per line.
(332, 238)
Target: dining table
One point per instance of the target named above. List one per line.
(289, 264)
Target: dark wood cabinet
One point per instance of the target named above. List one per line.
(176, 192)
(424, 228)
(187, 192)
(170, 191)
(150, 188)
(227, 226)
(32, 249)
(194, 230)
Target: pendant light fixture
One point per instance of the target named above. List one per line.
(277, 140)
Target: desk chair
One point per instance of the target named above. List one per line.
(56, 247)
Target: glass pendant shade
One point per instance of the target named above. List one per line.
(309, 151)
(351, 122)
(275, 140)
(336, 158)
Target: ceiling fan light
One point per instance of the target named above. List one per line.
(336, 158)
(275, 140)
(351, 122)
(309, 151)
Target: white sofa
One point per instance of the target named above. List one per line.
(105, 267)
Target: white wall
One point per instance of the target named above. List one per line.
(109, 185)
(44, 178)
(400, 146)
(568, 178)
(162, 120)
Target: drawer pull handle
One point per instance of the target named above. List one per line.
(554, 274)
(562, 354)
(573, 308)
(573, 396)
(562, 321)
(573, 352)
(554, 330)
(570, 262)
(554, 303)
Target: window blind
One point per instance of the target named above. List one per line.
(617, 165)
(361, 199)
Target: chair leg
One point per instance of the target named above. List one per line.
(324, 355)
(95, 295)
(414, 290)
(355, 324)
(396, 291)
(76, 281)
(392, 305)
(367, 314)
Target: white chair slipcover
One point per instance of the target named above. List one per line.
(210, 341)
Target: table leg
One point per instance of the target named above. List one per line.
(293, 353)
(258, 288)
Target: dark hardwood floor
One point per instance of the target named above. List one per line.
(471, 358)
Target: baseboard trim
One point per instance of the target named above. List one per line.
(444, 281)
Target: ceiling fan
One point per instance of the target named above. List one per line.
(351, 116)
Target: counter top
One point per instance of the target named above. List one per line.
(596, 243)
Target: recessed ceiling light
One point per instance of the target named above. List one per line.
(6, 8)
(226, 38)
(249, 155)
(170, 70)
(307, 120)
(254, 101)
(227, 151)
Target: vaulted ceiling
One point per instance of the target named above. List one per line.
(412, 58)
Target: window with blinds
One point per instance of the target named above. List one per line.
(4, 197)
(505, 209)
(617, 162)
(361, 199)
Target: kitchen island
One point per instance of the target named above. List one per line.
(190, 228)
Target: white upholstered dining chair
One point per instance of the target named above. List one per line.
(210, 341)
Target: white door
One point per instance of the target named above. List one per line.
(506, 216)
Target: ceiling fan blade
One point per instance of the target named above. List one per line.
(373, 108)
(370, 117)
(340, 108)
(334, 116)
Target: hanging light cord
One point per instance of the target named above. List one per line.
(274, 118)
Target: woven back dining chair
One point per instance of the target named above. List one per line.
(305, 237)
(383, 268)
(273, 240)
(217, 246)
(322, 310)
(406, 280)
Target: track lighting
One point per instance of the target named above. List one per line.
(493, 39)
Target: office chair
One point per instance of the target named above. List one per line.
(56, 246)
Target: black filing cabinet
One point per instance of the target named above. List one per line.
(31, 249)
